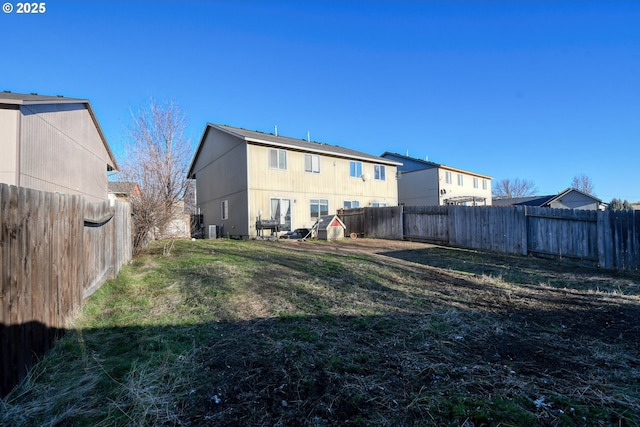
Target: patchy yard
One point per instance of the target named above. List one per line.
(359, 332)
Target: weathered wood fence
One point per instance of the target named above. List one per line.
(377, 223)
(610, 239)
(55, 250)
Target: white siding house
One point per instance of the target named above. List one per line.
(425, 183)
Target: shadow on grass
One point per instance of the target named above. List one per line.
(528, 271)
(441, 368)
(263, 335)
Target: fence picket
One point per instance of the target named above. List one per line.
(48, 259)
(609, 239)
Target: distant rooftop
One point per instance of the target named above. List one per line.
(121, 187)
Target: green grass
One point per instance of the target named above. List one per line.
(318, 334)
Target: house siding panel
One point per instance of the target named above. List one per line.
(575, 200)
(221, 174)
(333, 184)
(453, 190)
(419, 188)
(8, 145)
(62, 151)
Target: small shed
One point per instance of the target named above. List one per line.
(330, 228)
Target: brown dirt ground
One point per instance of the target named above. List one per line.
(556, 327)
(596, 316)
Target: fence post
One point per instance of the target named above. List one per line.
(525, 232)
(601, 232)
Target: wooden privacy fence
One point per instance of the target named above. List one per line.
(377, 223)
(54, 251)
(610, 239)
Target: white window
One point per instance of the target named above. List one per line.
(378, 204)
(319, 207)
(277, 158)
(312, 163)
(484, 184)
(447, 177)
(355, 169)
(475, 182)
(460, 179)
(351, 204)
(379, 172)
(224, 208)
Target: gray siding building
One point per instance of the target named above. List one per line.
(54, 144)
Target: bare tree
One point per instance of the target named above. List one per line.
(583, 183)
(158, 154)
(514, 188)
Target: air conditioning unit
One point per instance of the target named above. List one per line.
(213, 231)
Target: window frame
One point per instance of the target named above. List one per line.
(224, 209)
(351, 204)
(379, 172)
(355, 167)
(280, 159)
(460, 179)
(448, 177)
(318, 204)
(311, 168)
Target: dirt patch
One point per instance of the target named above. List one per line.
(465, 338)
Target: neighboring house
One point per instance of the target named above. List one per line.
(425, 183)
(123, 191)
(242, 176)
(567, 199)
(54, 144)
(178, 226)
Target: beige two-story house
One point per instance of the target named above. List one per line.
(244, 176)
(425, 183)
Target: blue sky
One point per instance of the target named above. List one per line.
(537, 90)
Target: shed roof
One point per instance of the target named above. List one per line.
(269, 139)
(18, 99)
(327, 220)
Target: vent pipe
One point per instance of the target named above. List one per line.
(308, 137)
(275, 128)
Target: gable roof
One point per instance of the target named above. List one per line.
(540, 201)
(522, 201)
(17, 99)
(122, 187)
(428, 164)
(326, 221)
(268, 139)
